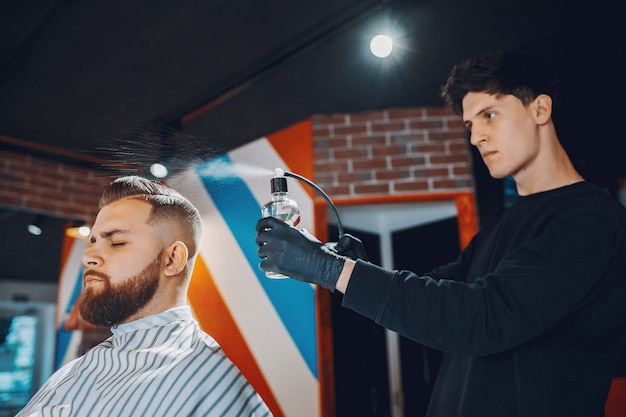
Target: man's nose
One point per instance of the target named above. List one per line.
(477, 136)
(91, 258)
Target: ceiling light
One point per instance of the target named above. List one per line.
(381, 46)
(158, 170)
(78, 232)
(34, 227)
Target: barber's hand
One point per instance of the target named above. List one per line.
(350, 246)
(288, 251)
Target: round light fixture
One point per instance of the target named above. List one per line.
(158, 170)
(381, 46)
(78, 232)
(33, 229)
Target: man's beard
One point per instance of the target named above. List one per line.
(114, 304)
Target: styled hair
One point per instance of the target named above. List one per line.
(167, 204)
(500, 73)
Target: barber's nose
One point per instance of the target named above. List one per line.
(476, 137)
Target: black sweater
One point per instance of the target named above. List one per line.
(532, 315)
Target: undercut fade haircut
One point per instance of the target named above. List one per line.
(167, 204)
(500, 73)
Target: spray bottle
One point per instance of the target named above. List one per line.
(281, 207)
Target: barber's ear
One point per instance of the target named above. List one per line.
(175, 258)
(542, 108)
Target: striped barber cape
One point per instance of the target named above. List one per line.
(161, 365)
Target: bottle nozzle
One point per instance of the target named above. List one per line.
(279, 182)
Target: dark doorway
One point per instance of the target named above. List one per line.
(360, 357)
(420, 249)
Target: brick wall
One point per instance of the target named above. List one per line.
(396, 151)
(42, 185)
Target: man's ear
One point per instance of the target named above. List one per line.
(175, 258)
(542, 107)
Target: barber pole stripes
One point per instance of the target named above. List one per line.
(266, 326)
(68, 338)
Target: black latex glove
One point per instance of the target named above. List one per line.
(349, 246)
(289, 251)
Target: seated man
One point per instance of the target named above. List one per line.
(158, 362)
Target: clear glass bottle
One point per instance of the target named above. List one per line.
(281, 207)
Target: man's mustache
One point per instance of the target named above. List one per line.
(98, 274)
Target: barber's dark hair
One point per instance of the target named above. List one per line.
(500, 73)
(166, 202)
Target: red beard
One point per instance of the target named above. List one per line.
(114, 304)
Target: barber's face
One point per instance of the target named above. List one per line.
(122, 264)
(503, 130)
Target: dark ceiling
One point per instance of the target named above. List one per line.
(130, 82)
(126, 80)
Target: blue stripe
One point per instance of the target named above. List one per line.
(294, 301)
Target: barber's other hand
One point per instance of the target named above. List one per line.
(349, 246)
(288, 251)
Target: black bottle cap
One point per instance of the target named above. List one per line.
(279, 185)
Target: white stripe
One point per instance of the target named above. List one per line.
(281, 363)
(67, 282)
(261, 154)
(68, 278)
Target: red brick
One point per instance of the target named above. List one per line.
(455, 123)
(459, 147)
(368, 164)
(458, 134)
(448, 159)
(325, 177)
(431, 172)
(410, 186)
(441, 136)
(321, 154)
(11, 199)
(332, 166)
(426, 124)
(321, 131)
(381, 152)
(395, 174)
(371, 188)
(350, 153)
(438, 111)
(337, 190)
(388, 127)
(404, 138)
(461, 171)
(13, 177)
(38, 204)
(335, 141)
(369, 140)
(408, 160)
(358, 176)
(427, 148)
(350, 130)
